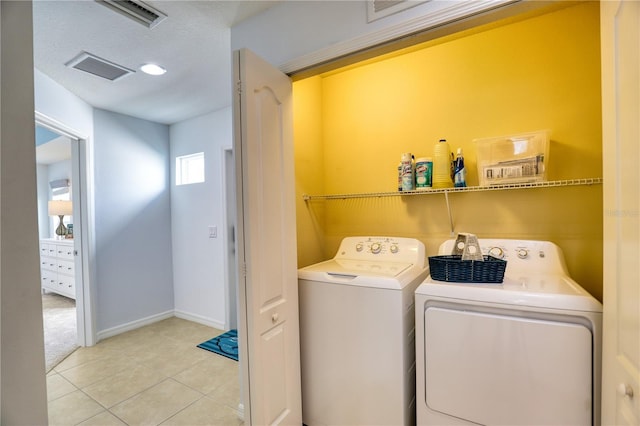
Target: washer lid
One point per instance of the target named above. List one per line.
(365, 273)
(359, 268)
(541, 291)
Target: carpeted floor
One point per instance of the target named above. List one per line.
(60, 329)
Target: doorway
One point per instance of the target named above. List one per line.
(55, 197)
(73, 169)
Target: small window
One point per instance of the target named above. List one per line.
(190, 169)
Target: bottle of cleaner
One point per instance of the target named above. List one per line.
(408, 179)
(442, 165)
(460, 173)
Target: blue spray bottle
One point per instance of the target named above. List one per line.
(460, 173)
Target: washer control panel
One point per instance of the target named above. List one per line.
(394, 249)
(521, 255)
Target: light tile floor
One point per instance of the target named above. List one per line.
(154, 375)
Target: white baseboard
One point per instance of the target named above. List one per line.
(240, 411)
(200, 319)
(113, 331)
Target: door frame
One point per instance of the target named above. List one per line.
(83, 168)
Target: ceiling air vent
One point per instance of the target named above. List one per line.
(97, 66)
(377, 9)
(136, 10)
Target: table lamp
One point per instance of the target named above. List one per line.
(60, 208)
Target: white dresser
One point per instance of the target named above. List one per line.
(57, 266)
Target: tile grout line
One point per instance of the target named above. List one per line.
(135, 363)
(182, 409)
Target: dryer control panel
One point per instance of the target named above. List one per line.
(391, 249)
(522, 256)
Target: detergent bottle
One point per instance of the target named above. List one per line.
(442, 165)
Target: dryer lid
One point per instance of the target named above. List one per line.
(542, 291)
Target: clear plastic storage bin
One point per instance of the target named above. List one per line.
(513, 159)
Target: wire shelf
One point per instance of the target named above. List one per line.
(545, 184)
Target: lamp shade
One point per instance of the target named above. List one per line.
(60, 208)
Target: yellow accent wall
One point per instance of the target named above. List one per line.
(309, 170)
(543, 72)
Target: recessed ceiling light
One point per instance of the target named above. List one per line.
(152, 69)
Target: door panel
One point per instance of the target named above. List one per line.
(274, 344)
(620, 38)
(264, 179)
(266, 243)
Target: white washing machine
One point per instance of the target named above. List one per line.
(357, 337)
(524, 352)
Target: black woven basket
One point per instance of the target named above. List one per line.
(453, 269)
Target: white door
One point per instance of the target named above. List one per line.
(620, 38)
(266, 242)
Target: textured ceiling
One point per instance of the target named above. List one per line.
(192, 44)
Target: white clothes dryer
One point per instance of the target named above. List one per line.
(524, 352)
(357, 336)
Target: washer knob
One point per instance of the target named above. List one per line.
(496, 252)
(376, 248)
(359, 247)
(523, 253)
(394, 248)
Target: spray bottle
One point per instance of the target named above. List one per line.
(407, 170)
(460, 173)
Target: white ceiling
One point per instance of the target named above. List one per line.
(54, 151)
(192, 44)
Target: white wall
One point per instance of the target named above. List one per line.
(56, 102)
(198, 261)
(132, 274)
(133, 221)
(293, 28)
(22, 372)
(60, 170)
(295, 34)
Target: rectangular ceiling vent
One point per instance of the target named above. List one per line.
(377, 9)
(138, 11)
(92, 64)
